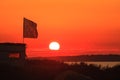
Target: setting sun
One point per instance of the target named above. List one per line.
(54, 46)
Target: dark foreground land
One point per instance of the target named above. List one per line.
(52, 70)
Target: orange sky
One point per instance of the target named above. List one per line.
(75, 24)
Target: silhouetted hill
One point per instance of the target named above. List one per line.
(87, 58)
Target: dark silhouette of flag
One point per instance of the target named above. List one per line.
(29, 29)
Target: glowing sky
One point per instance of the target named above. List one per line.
(75, 24)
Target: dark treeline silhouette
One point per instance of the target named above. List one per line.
(53, 70)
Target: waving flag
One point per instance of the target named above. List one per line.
(29, 29)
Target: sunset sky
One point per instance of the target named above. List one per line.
(75, 24)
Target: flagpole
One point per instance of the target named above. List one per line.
(23, 30)
(23, 40)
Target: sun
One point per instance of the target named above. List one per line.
(54, 46)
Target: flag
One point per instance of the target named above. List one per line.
(29, 29)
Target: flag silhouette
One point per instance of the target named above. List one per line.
(29, 29)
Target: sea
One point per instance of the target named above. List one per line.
(103, 64)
